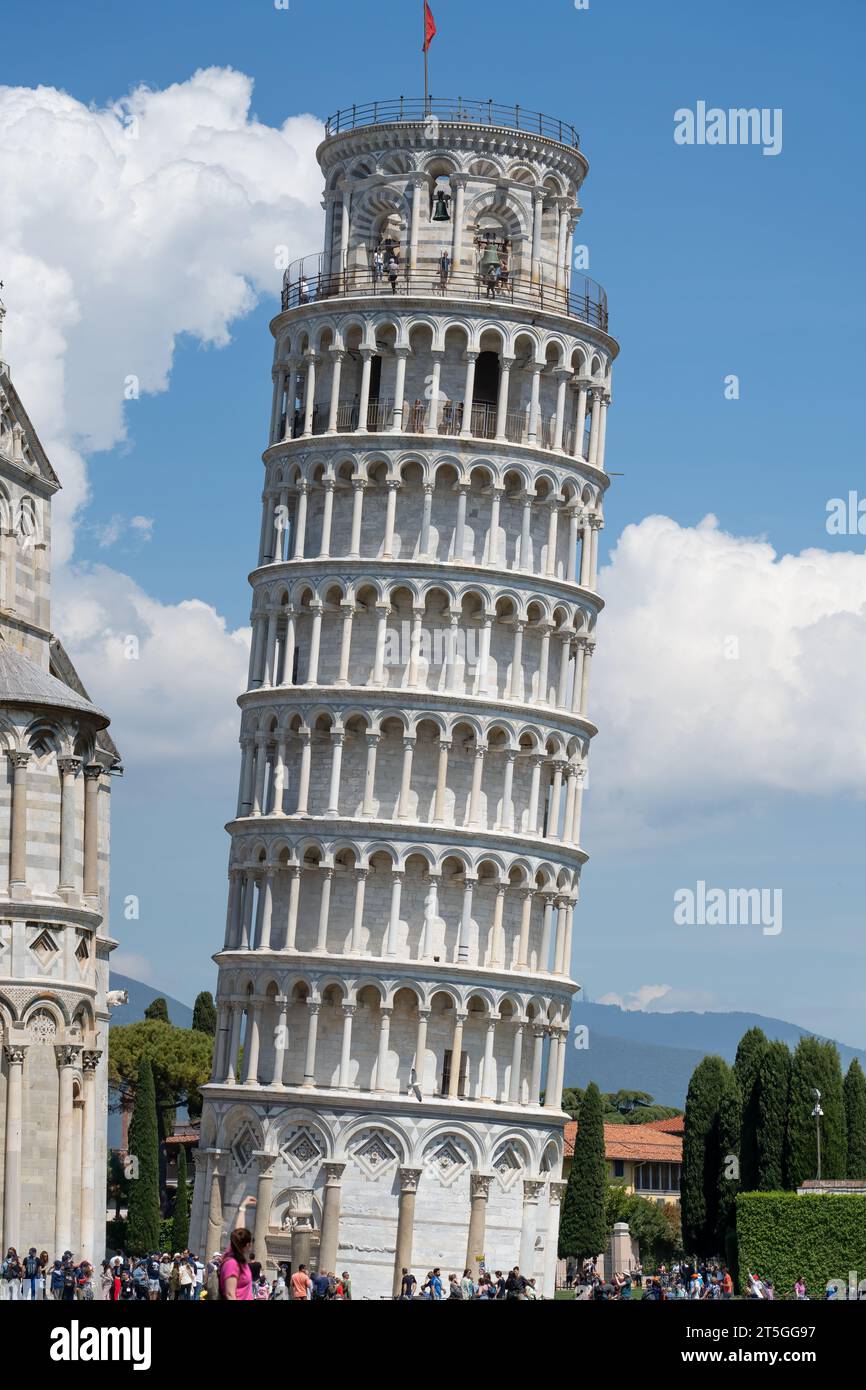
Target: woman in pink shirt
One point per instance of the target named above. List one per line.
(236, 1278)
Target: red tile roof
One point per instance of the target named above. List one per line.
(633, 1142)
(675, 1125)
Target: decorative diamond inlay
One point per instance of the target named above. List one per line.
(243, 1148)
(302, 1150)
(447, 1160)
(375, 1153)
(507, 1166)
(44, 948)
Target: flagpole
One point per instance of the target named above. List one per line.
(426, 64)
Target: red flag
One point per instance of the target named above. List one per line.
(429, 26)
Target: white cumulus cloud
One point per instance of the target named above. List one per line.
(122, 228)
(719, 661)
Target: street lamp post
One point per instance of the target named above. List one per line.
(816, 1116)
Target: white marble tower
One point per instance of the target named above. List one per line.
(54, 847)
(395, 981)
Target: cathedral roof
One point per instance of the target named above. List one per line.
(22, 682)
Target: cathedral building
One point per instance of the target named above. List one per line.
(395, 978)
(54, 832)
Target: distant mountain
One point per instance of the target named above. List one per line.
(140, 996)
(655, 1052)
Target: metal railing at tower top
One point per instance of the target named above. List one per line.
(455, 109)
(306, 282)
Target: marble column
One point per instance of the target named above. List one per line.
(514, 1088)
(312, 1034)
(555, 1194)
(330, 1234)
(281, 1039)
(88, 1241)
(409, 1179)
(345, 1077)
(18, 847)
(67, 1060)
(68, 769)
(15, 1055)
(479, 1191)
(264, 1192)
(532, 1190)
(456, 1056)
(215, 1205)
(92, 780)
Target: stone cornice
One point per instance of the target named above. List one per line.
(422, 700)
(445, 306)
(434, 1107)
(382, 968)
(501, 580)
(27, 909)
(369, 828)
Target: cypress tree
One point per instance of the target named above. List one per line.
(180, 1221)
(143, 1223)
(816, 1066)
(729, 1172)
(157, 1009)
(582, 1228)
(204, 1016)
(751, 1049)
(855, 1119)
(699, 1192)
(774, 1085)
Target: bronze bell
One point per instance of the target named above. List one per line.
(440, 206)
(490, 258)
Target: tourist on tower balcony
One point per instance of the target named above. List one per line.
(408, 1284)
(235, 1275)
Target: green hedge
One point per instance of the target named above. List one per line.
(781, 1235)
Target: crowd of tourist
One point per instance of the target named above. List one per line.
(488, 1284)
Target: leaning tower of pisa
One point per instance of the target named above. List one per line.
(395, 980)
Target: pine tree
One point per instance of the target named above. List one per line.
(816, 1066)
(855, 1119)
(143, 1221)
(702, 1156)
(751, 1049)
(582, 1228)
(180, 1220)
(158, 1009)
(774, 1086)
(204, 1018)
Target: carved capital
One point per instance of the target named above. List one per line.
(479, 1185)
(67, 1055)
(409, 1179)
(556, 1192)
(90, 1060)
(333, 1173)
(532, 1189)
(15, 1054)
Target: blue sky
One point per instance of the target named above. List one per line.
(716, 261)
